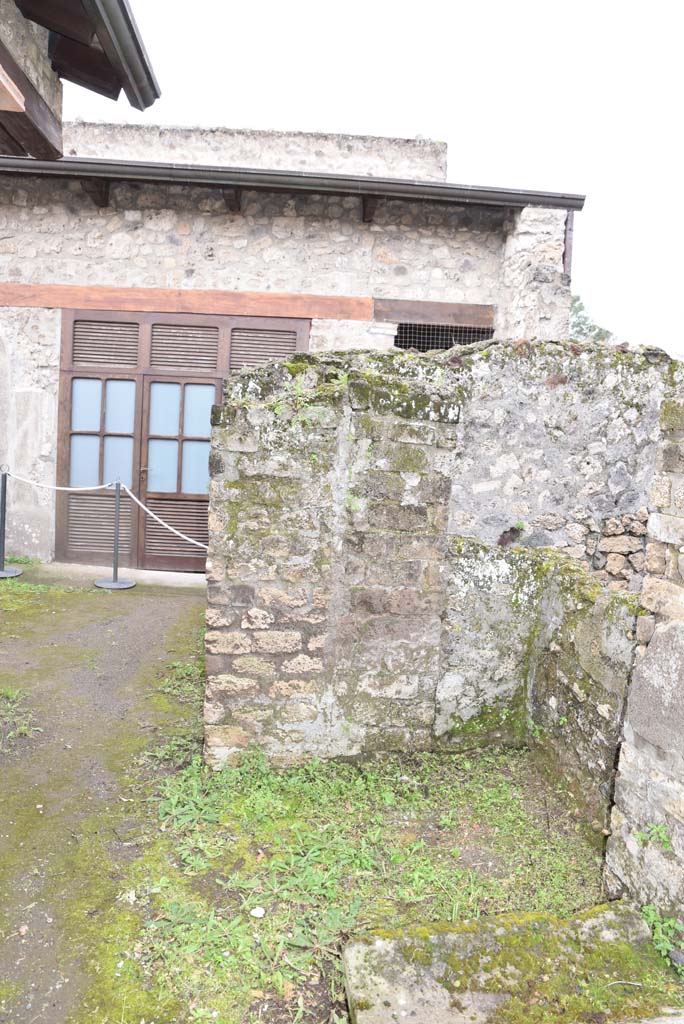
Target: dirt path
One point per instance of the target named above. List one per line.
(87, 661)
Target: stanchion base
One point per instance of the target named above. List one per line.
(8, 574)
(115, 584)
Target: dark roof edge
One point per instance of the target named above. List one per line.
(286, 181)
(122, 43)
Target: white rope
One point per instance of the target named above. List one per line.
(161, 522)
(53, 487)
(104, 487)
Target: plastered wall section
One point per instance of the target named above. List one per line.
(28, 44)
(645, 854)
(422, 159)
(29, 376)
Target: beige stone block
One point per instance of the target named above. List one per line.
(253, 666)
(227, 736)
(622, 544)
(645, 628)
(256, 618)
(228, 643)
(291, 687)
(218, 617)
(278, 641)
(317, 643)
(615, 564)
(661, 492)
(668, 529)
(637, 561)
(656, 558)
(663, 597)
(302, 663)
(214, 714)
(282, 598)
(298, 711)
(231, 686)
(612, 527)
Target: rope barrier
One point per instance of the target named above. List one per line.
(53, 487)
(103, 487)
(161, 522)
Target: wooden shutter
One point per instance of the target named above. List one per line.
(90, 527)
(253, 346)
(104, 343)
(184, 347)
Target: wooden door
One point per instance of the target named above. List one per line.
(174, 471)
(121, 372)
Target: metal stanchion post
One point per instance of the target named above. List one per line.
(5, 573)
(115, 583)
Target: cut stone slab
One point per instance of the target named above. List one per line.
(497, 969)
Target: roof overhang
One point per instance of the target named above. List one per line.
(234, 180)
(96, 44)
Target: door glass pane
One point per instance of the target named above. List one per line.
(118, 460)
(86, 398)
(120, 406)
(162, 464)
(195, 473)
(164, 408)
(199, 399)
(84, 466)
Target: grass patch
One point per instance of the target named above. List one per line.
(260, 874)
(16, 718)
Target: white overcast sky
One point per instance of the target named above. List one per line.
(581, 97)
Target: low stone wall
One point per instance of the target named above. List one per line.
(345, 616)
(645, 854)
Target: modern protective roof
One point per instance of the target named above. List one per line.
(235, 179)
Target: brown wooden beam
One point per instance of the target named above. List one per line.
(8, 144)
(66, 17)
(11, 97)
(453, 314)
(97, 189)
(181, 300)
(35, 129)
(86, 66)
(232, 197)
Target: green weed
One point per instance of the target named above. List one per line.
(16, 719)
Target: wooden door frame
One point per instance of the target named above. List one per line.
(226, 323)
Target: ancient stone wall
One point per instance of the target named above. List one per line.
(645, 854)
(422, 159)
(177, 237)
(406, 603)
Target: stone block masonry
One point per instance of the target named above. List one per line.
(365, 618)
(645, 854)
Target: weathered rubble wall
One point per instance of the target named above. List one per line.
(359, 599)
(535, 651)
(645, 853)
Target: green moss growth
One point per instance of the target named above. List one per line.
(546, 968)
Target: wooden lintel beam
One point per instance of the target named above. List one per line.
(35, 128)
(232, 197)
(186, 300)
(97, 189)
(369, 205)
(414, 311)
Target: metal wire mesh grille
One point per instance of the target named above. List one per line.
(427, 337)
